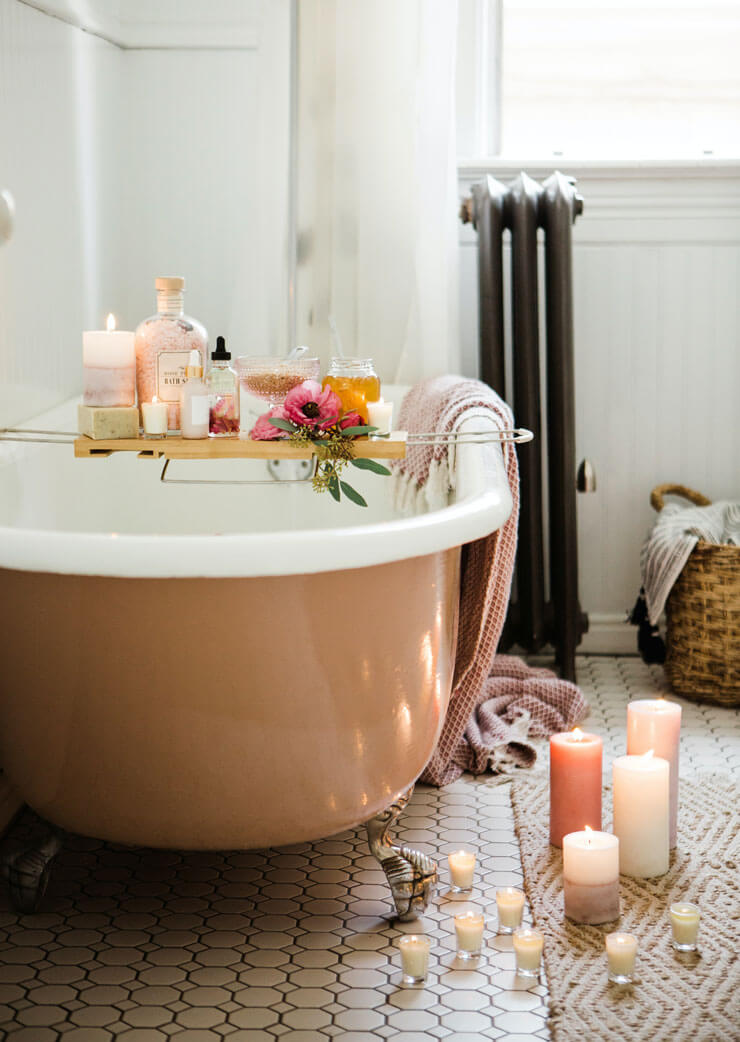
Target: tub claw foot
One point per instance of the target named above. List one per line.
(412, 876)
(27, 865)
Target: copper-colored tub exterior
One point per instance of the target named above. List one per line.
(223, 713)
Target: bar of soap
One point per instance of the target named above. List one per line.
(99, 421)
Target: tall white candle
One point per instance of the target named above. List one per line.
(641, 814)
(591, 876)
(108, 366)
(654, 723)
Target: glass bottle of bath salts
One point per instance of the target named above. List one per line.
(356, 383)
(223, 384)
(163, 345)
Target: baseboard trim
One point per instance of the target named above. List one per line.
(608, 635)
(10, 803)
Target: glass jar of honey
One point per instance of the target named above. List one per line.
(356, 383)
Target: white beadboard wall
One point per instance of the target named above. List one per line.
(657, 357)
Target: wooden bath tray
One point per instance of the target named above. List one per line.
(174, 448)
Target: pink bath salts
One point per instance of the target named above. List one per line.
(163, 346)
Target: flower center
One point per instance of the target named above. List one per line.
(311, 410)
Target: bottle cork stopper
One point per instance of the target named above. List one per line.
(170, 282)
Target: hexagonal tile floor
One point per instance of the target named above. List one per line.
(143, 946)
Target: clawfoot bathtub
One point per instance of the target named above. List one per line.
(225, 666)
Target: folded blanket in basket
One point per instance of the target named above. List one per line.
(674, 535)
(497, 702)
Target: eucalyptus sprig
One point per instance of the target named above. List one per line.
(333, 449)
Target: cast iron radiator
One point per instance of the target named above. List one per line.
(534, 619)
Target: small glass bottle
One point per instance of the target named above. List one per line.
(223, 383)
(195, 400)
(356, 383)
(163, 345)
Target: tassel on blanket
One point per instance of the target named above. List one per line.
(650, 644)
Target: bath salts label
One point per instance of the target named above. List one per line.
(171, 366)
(199, 409)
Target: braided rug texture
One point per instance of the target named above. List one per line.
(674, 996)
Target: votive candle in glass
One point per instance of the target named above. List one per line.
(510, 905)
(469, 924)
(685, 925)
(414, 957)
(655, 723)
(621, 951)
(380, 415)
(154, 418)
(462, 868)
(528, 945)
(575, 783)
(591, 877)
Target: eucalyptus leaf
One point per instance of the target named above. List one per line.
(283, 425)
(354, 432)
(333, 486)
(369, 464)
(352, 494)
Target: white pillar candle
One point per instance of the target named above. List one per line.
(108, 366)
(641, 814)
(528, 945)
(591, 876)
(462, 867)
(154, 417)
(414, 957)
(621, 950)
(685, 925)
(654, 723)
(510, 905)
(469, 923)
(380, 415)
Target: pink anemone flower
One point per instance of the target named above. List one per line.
(263, 430)
(311, 406)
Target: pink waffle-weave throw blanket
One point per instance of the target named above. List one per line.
(497, 702)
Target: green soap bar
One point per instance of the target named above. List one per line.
(101, 422)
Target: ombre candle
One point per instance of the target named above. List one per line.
(575, 783)
(108, 366)
(654, 723)
(591, 877)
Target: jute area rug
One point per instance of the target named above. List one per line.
(674, 997)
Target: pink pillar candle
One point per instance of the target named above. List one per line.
(575, 783)
(591, 877)
(654, 723)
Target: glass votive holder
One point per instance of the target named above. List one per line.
(154, 418)
(469, 924)
(685, 925)
(621, 951)
(528, 945)
(510, 905)
(414, 957)
(462, 869)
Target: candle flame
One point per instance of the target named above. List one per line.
(577, 734)
(110, 323)
(155, 400)
(587, 828)
(648, 755)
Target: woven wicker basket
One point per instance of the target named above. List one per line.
(703, 616)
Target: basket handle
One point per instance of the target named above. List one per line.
(656, 496)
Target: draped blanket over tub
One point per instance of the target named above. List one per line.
(498, 702)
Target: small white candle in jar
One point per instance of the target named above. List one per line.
(469, 923)
(414, 957)
(462, 867)
(621, 950)
(528, 945)
(108, 366)
(380, 415)
(154, 418)
(510, 905)
(685, 925)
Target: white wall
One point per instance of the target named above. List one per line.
(657, 357)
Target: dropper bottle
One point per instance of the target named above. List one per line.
(194, 400)
(223, 384)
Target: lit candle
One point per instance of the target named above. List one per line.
(108, 366)
(591, 876)
(414, 957)
(621, 950)
(154, 418)
(685, 925)
(462, 867)
(510, 905)
(654, 723)
(469, 925)
(641, 814)
(380, 415)
(575, 783)
(528, 945)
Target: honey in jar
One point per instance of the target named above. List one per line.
(356, 383)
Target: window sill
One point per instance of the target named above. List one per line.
(702, 167)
